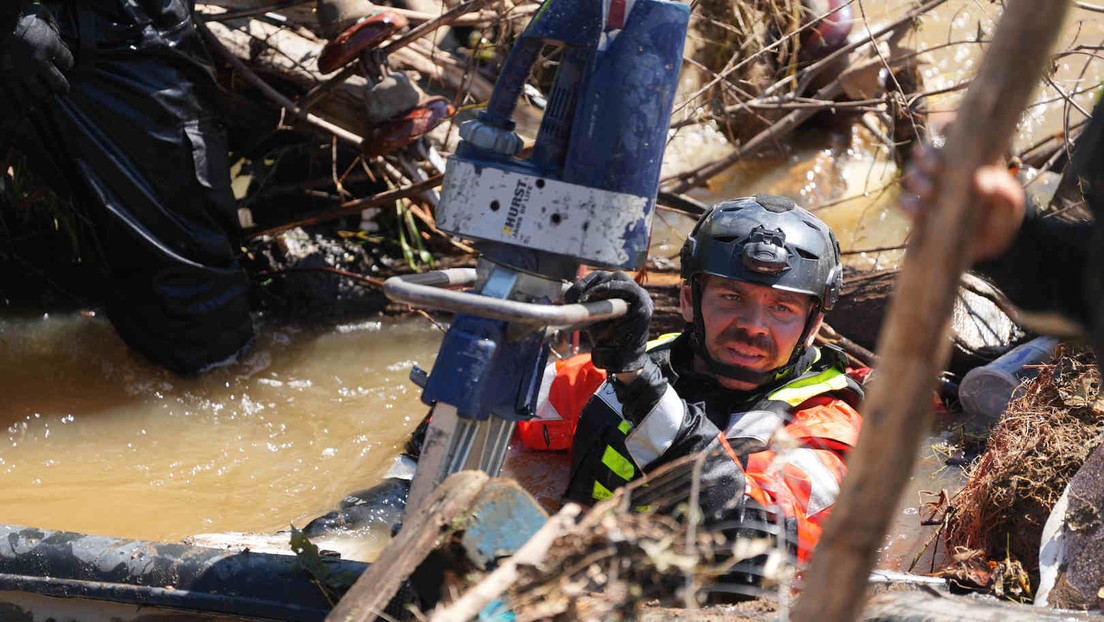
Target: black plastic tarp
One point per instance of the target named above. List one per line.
(139, 143)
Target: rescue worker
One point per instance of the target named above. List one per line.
(758, 274)
(1044, 263)
(117, 99)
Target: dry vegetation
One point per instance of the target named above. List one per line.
(1039, 444)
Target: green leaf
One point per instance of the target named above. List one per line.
(408, 252)
(317, 565)
(412, 227)
(309, 557)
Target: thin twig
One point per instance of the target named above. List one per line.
(1089, 7)
(317, 93)
(1069, 98)
(218, 48)
(445, 19)
(880, 249)
(1026, 153)
(259, 10)
(352, 207)
(439, 326)
(359, 278)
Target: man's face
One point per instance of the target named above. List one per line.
(751, 326)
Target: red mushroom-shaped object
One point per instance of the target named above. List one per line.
(359, 38)
(829, 33)
(394, 135)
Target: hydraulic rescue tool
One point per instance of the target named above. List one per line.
(584, 196)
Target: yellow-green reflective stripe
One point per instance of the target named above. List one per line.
(617, 463)
(801, 390)
(624, 426)
(601, 492)
(660, 340)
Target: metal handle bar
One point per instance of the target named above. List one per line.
(425, 290)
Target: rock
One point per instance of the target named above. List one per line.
(335, 16)
(1071, 554)
(298, 275)
(378, 507)
(830, 33)
(390, 98)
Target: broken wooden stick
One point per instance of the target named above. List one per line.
(247, 74)
(375, 588)
(912, 352)
(350, 208)
(256, 10)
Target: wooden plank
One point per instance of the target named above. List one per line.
(419, 536)
(913, 347)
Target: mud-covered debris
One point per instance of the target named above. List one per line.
(972, 570)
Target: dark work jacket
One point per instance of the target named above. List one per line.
(672, 412)
(1056, 264)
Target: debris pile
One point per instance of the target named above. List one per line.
(617, 559)
(1041, 441)
(971, 570)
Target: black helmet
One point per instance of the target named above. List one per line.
(767, 240)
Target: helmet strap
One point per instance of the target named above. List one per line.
(741, 374)
(814, 311)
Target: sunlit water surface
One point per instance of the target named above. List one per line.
(100, 441)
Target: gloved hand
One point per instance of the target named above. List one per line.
(619, 344)
(33, 61)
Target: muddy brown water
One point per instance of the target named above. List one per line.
(100, 441)
(97, 440)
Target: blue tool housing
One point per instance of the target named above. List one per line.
(482, 373)
(606, 122)
(604, 128)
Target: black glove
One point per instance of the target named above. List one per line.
(33, 61)
(619, 344)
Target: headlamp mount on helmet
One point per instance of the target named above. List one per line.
(766, 240)
(765, 251)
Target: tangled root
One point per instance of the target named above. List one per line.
(1041, 441)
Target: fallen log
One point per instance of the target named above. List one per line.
(289, 56)
(299, 113)
(898, 411)
(285, 56)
